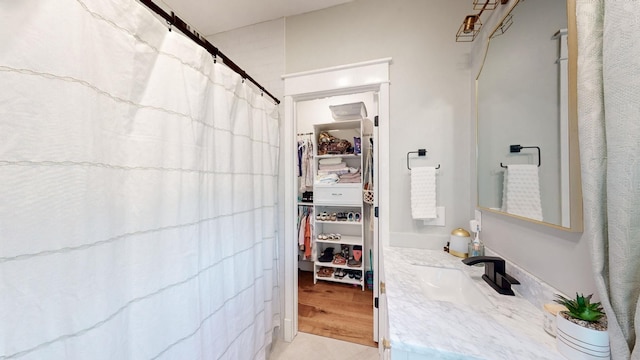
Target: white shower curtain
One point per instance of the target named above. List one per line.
(609, 131)
(137, 191)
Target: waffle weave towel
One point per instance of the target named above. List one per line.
(423, 193)
(521, 191)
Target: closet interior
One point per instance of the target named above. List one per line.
(335, 139)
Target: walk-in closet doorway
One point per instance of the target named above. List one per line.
(335, 224)
(307, 114)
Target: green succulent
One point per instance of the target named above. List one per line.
(581, 307)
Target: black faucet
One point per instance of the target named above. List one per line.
(494, 273)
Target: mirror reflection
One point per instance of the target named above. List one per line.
(523, 141)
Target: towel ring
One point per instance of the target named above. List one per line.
(517, 148)
(420, 152)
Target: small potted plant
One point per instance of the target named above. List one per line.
(582, 329)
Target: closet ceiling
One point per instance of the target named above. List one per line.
(209, 17)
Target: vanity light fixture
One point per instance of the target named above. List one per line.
(504, 26)
(471, 24)
(490, 5)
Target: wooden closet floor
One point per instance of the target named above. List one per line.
(338, 311)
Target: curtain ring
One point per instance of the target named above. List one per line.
(173, 20)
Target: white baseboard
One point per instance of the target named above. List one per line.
(288, 334)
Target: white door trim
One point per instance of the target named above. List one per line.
(340, 80)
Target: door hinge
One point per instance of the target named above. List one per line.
(376, 212)
(375, 121)
(386, 344)
(376, 303)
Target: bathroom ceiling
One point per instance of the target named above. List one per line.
(209, 17)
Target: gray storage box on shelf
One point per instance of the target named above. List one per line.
(353, 111)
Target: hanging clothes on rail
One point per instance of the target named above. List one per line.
(302, 224)
(307, 239)
(305, 229)
(305, 167)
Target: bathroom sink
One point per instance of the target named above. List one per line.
(448, 284)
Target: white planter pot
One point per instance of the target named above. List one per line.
(580, 343)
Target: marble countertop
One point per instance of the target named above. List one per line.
(509, 328)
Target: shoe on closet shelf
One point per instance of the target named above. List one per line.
(354, 263)
(339, 260)
(325, 272)
(339, 274)
(357, 274)
(357, 254)
(327, 255)
(350, 216)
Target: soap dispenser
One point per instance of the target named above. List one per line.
(476, 247)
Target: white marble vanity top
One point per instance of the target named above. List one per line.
(510, 327)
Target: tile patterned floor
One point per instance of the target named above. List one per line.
(313, 347)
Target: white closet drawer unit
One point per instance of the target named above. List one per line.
(338, 194)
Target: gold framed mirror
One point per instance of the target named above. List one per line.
(527, 116)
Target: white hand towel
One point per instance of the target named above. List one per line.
(521, 191)
(423, 193)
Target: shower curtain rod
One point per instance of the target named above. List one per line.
(179, 24)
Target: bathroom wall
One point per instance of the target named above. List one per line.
(429, 86)
(557, 257)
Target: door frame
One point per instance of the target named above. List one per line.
(339, 80)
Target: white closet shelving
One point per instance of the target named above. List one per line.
(343, 205)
